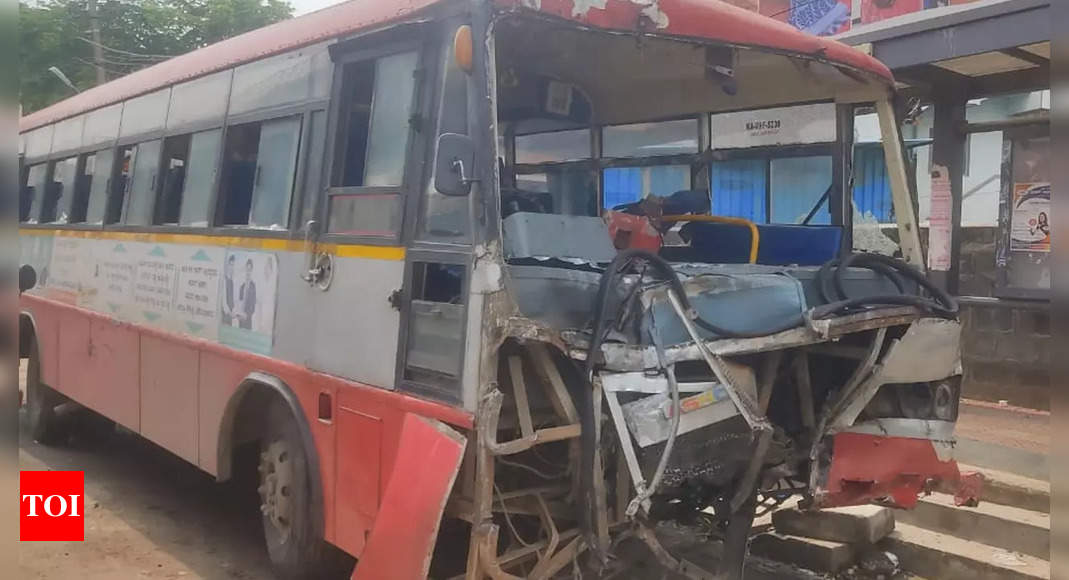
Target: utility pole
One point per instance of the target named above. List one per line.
(98, 51)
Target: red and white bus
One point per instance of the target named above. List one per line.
(475, 262)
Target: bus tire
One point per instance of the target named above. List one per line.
(41, 402)
(294, 545)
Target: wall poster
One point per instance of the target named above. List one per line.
(939, 223)
(1030, 218)
(819, 17)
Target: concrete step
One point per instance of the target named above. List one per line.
(999, 526)
(936, 555)
(863, 524)
(1010, 489)
(808, 553)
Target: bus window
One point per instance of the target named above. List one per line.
(552, 147)
(623, 185)
(200, 178)
(446, 216)
(740, 188)
(55, 206)
(175, 159)
(103, 163)
(143, 184)
(387, 139)
(549, 184)
(276, 167)
(358, 85)
(313, 156)
(378, 98)
(83, 183)
(120, 184)
(796, 189)
(436, 328)
(650, 139)
(261, 161)
(778, 190)
(562, 189)
(31, 191)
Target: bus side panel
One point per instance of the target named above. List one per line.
(113, 381)
(218, 379)
(169, 375)
(73, 377)
(46, 324)
(360, 438)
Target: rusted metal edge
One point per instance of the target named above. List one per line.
(624, 357)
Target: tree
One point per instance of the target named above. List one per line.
(133, 34)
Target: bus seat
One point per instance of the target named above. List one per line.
(565, 237)
(781, 244)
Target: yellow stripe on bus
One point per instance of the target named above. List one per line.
(271, 244)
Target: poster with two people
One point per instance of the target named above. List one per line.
(247, 303)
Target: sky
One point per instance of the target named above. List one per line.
(305, 6)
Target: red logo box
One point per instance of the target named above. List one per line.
(51, 506)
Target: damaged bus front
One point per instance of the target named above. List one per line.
(677, 331)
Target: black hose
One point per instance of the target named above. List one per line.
(831, 279)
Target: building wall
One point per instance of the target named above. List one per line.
(1005, 347)
(1006, 352)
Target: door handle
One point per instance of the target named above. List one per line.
(311, 272)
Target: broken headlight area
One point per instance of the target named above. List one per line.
(930, 400)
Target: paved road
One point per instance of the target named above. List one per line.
(1004, 438)
(149, 515)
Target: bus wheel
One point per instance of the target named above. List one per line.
(293, 543)
(41, 401)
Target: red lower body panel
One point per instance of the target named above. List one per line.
(426, 465)
(894, 469)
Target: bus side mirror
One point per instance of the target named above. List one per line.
(454, 164)
(27, 277)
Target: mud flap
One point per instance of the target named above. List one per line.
(894, 469)
(402, 540)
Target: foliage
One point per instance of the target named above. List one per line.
(134, 34)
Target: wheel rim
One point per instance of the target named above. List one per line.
(277, 487)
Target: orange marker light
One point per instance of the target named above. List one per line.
(462, 47)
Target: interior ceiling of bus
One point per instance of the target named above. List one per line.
(631, 78)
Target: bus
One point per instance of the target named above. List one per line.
(528, 281)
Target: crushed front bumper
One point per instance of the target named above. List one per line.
(896, 470)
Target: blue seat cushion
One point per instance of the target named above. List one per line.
(780, 244)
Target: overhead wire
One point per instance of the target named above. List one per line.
(126, 52)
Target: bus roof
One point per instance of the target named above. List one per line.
(702, 19)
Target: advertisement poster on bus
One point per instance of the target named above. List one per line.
(1030, 219)
(247, 300)
(154, 282)
(196, 300)
(114, 271)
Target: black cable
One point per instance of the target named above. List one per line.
(831, 278)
